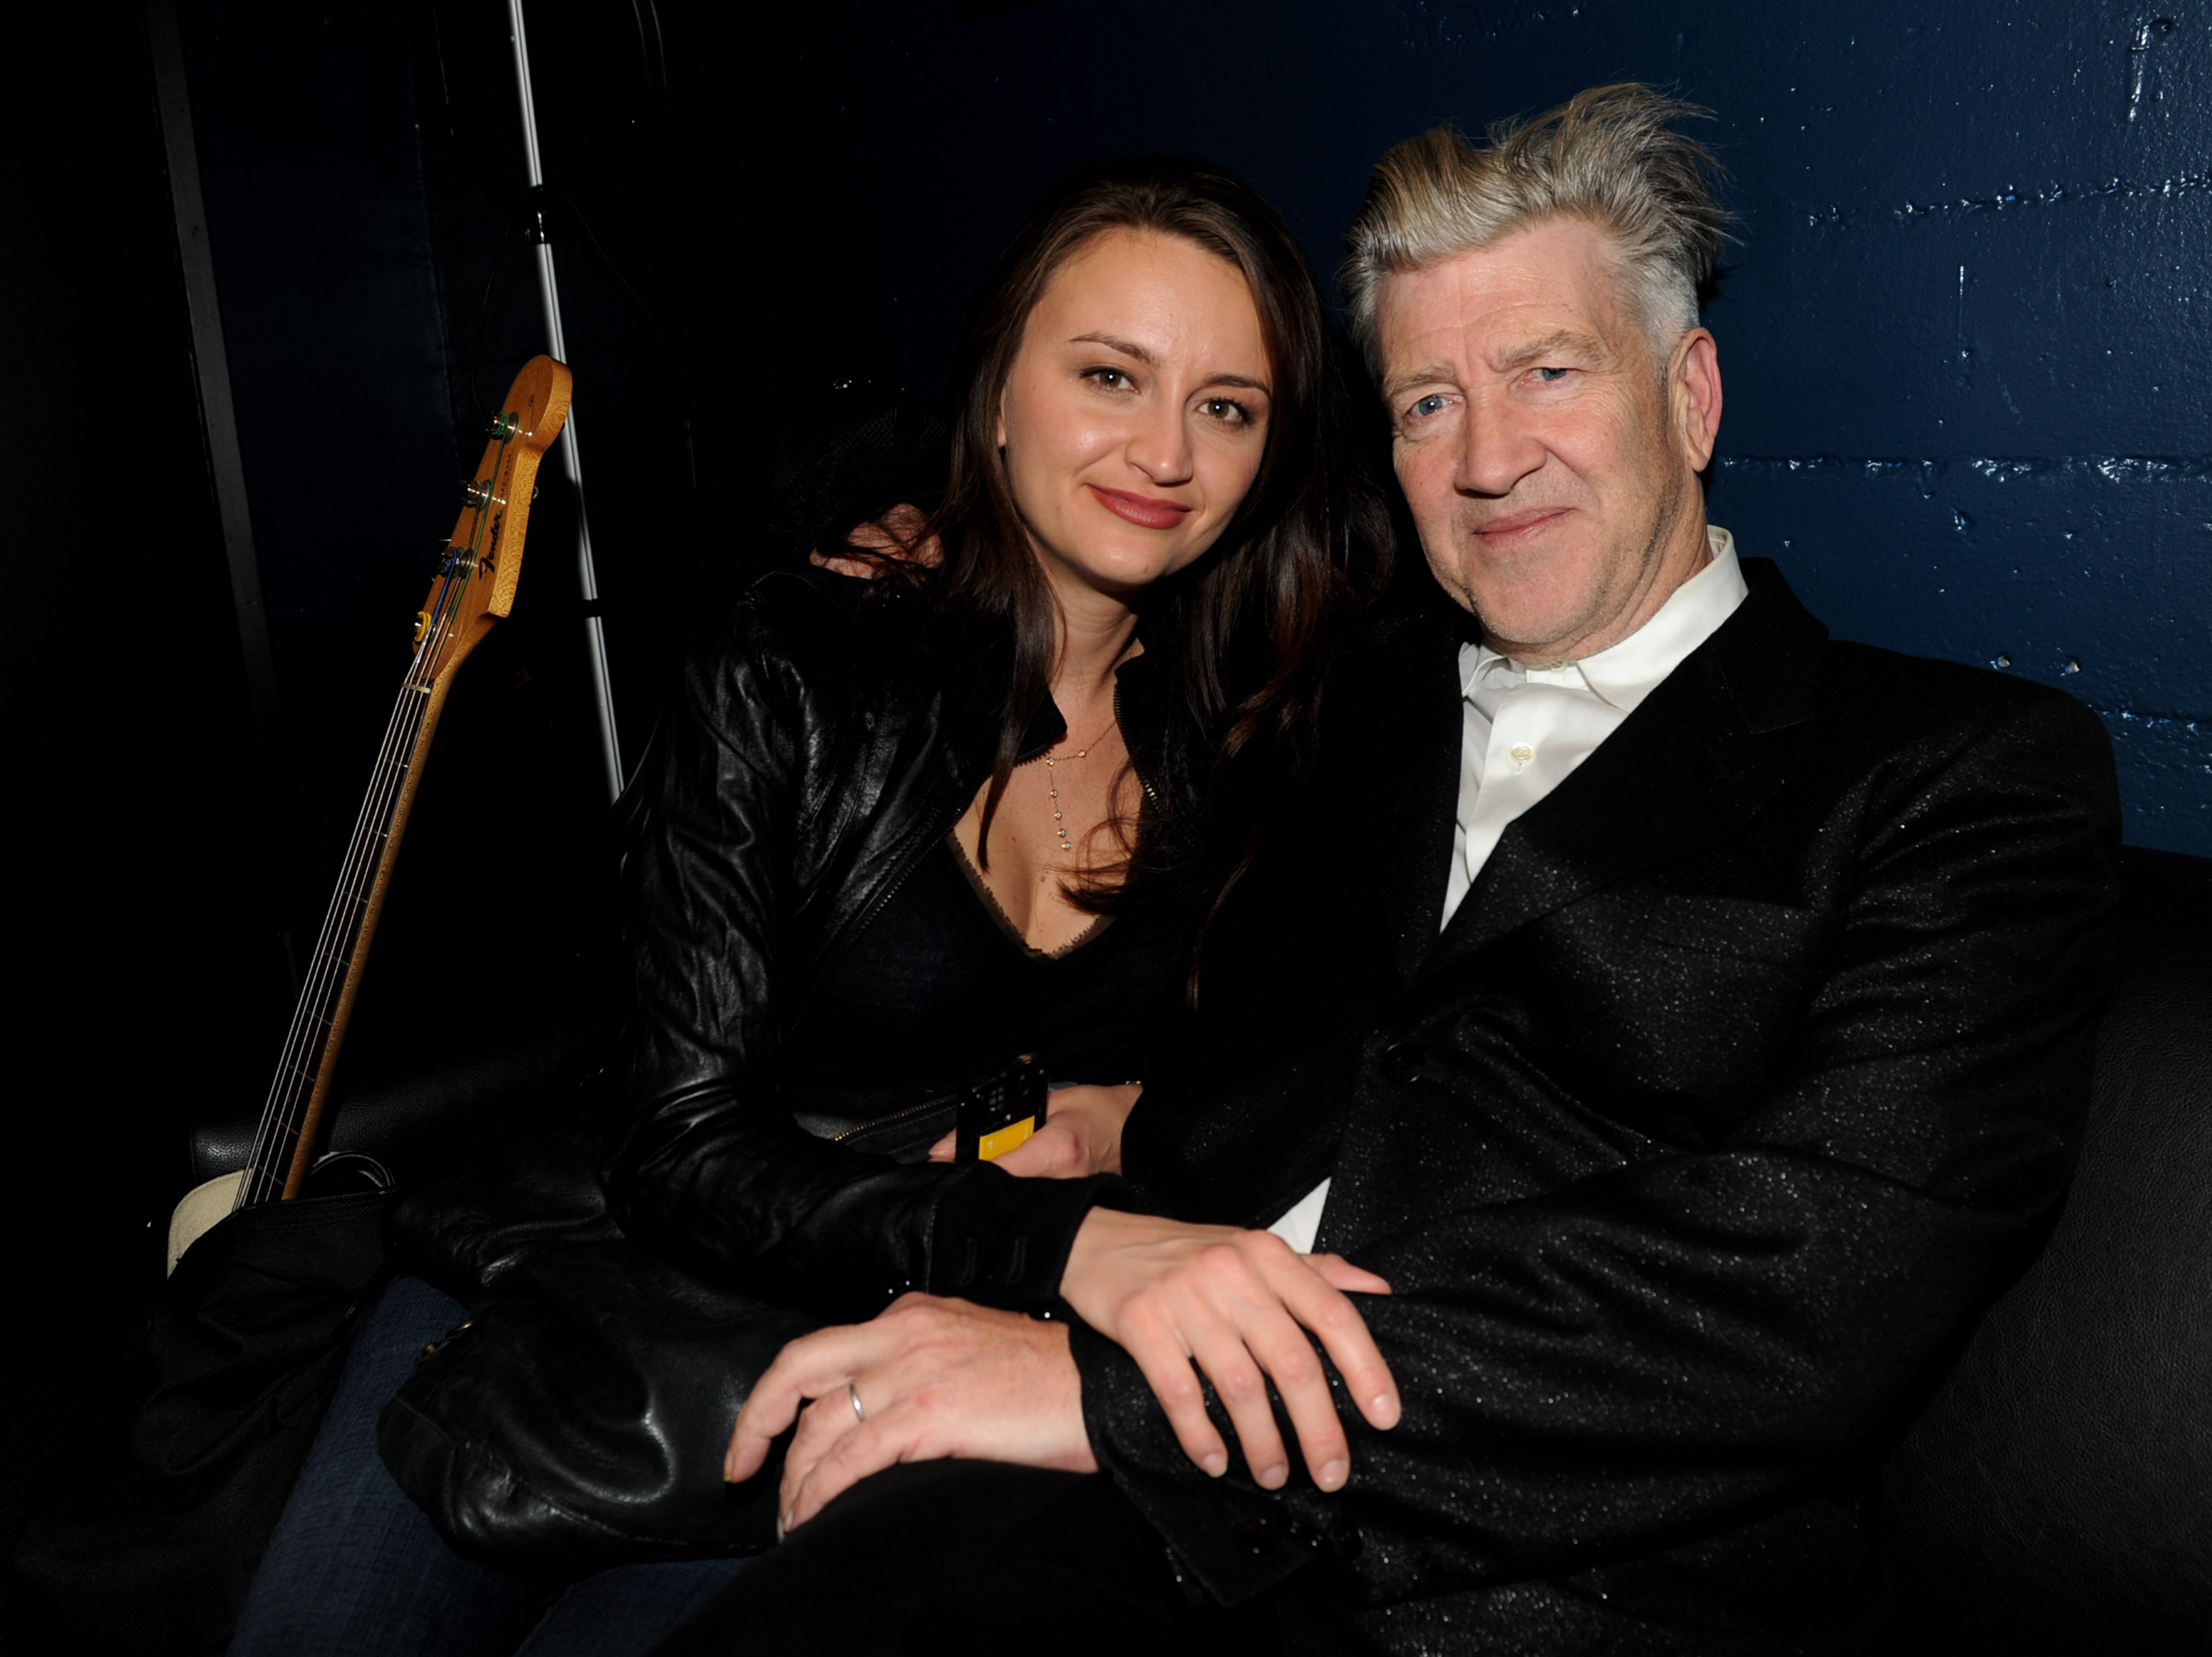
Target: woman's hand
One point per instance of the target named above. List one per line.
(1082, 1134)
(925, 1379)
(1239, 1303)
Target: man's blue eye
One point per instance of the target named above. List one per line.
(1433, 404)
(1550, 377)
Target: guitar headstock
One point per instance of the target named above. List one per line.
(483, 561)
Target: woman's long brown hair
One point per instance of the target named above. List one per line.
(1247, 629)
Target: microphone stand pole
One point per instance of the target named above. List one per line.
(549, 293)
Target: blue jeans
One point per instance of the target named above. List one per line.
(355, 1569)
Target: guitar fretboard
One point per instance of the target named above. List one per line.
(276, 1166)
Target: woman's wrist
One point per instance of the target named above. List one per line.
(1006, 1242)
(1096, 1114)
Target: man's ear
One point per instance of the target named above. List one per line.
(1693, 391)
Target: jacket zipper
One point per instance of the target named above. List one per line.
(1143, 781)
(927, 1104)
(860, 922)
(891, 890)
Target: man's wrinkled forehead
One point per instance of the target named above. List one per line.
(1550, 289)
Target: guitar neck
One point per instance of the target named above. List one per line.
(475, 585)
(283, 1147)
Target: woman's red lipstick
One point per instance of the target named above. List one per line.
(1146, 511)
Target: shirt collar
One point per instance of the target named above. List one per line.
(1623, 674)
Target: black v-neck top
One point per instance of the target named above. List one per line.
(941, 988)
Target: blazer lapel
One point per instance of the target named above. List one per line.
(1702, 753)
(1405, 768)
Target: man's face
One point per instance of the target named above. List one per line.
(1550, 458)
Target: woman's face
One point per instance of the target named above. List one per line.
(1136, 412)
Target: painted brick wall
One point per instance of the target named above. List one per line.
(1964, 330)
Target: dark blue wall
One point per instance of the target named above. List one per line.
(331, 310)
(1964, 332)
(357, 421)
(1962, 329)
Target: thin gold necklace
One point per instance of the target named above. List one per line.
(1051, 786)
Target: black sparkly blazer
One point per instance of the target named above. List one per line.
(1734, 1089)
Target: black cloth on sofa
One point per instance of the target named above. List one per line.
(154, 1548)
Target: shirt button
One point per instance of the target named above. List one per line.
(1521, 753)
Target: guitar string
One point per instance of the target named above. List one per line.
(311, 1019)
(277, 1133)
(301, 1061)
(334, 955)
(308, 1017)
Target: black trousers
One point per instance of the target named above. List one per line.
(976, 1557)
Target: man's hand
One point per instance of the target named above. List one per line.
(1239, 1303)
(1082, 1134)
(934, 1378)
(895, 535)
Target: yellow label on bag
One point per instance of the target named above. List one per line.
(992, 1145)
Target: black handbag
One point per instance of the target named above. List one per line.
(579, 1418)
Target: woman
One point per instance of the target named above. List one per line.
(905, 829)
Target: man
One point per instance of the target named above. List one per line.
(1688, 1016)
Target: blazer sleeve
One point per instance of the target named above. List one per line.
(1666, 1349)
(708, 1167)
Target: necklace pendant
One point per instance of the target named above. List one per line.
(1052, 787)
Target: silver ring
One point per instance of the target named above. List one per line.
(853, 1393)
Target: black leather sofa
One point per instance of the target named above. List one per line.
(2055, 1495)
(411, 1113)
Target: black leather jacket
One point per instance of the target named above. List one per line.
(807, 765)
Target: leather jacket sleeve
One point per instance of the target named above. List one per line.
(709, 1167)
(1672, 1344)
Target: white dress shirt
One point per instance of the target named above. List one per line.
(1524, 729)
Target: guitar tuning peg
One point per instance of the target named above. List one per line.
(421, 625)
(479, 494)
(503, 425)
